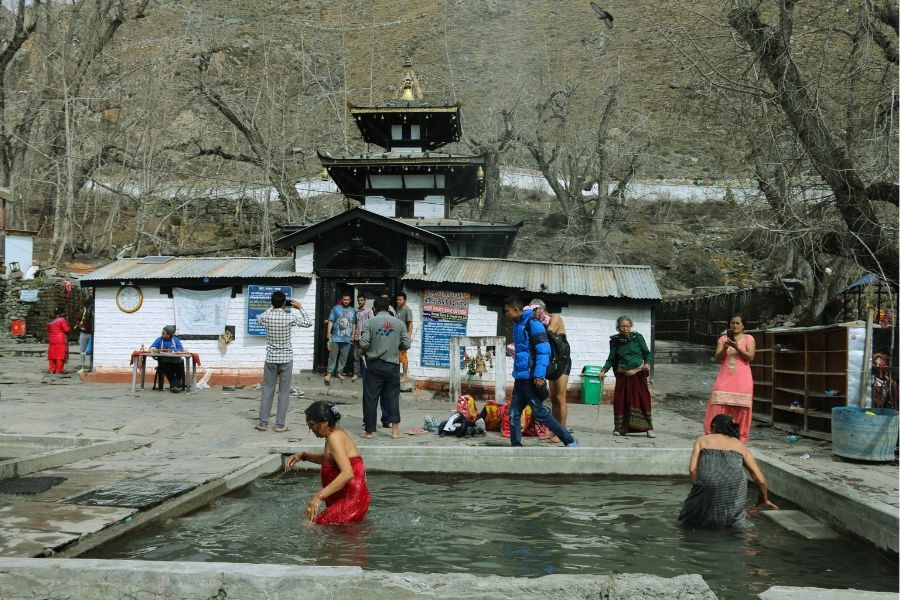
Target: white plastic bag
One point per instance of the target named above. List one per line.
(203, 384)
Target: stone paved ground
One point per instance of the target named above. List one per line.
(198, 437)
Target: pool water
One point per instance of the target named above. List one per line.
(513, 527)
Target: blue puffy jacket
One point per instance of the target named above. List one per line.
(523, 361)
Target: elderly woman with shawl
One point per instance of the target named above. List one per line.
(630, 358)
(58, 348)
(719, 493)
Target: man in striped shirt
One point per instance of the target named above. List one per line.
(278, 321)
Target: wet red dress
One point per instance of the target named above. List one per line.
(350, 503)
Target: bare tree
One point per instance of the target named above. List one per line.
(575, 152)
(874, 242)
(493, 147)
(813, 95)
(278, 162)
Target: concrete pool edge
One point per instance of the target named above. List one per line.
(846, 511)
(63, 450)
(88, 579)
(198, 497)
(635, 462)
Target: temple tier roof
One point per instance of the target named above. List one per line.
(463, 173)
(438, 124)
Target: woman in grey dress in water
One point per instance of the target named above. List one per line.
(720, 486)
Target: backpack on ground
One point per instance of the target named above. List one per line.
(559, 351)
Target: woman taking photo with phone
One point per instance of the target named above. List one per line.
(732, 393)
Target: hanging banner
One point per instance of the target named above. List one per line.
(444, 315)
(201, 312)
(259, 299)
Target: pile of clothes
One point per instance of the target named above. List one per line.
(468, 421)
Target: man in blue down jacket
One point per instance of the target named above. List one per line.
(529, 368)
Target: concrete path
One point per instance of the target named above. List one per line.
(201, 438)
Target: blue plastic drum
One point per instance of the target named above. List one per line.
(861, 436)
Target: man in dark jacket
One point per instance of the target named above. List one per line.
(532, 355)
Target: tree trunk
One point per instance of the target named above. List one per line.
(875, 250)
(491, 205)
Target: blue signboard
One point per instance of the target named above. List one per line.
(444, 315)
(259, 299)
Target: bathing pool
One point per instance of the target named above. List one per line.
(514, 527)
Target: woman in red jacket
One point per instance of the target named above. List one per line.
(58, 350)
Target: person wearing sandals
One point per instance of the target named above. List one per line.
(278, 321)
(630, 357)
(719, 494)
(343, 472)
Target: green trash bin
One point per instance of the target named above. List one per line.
(591, 385)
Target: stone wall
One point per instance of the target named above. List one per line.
(51, 292)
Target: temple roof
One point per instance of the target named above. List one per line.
(306, 233)
(436, 123)
(464, 174)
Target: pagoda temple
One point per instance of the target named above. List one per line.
(408, 179)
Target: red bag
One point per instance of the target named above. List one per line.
(530, 427)
(492, 416)
(465, 405)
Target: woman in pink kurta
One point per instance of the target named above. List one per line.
(58, 350)
(732, 393)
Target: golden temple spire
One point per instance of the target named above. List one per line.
(409, 86)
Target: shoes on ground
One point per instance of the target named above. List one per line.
(616, 433)
(650, 434)
(574, 444)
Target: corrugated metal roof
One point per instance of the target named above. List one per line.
(599, 281)
(223, 267)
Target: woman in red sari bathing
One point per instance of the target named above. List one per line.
(344, 489)
(630, 358)
(732, 393)
(58, 350)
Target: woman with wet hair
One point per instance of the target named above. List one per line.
(344, 489)
(630, 360)
(58, 348)
(720, 486)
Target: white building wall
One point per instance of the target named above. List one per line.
(303, 258)
(117, 334)
(431, 206)
(588, 329)
(416, 258)
(380, 206)
(19, 249)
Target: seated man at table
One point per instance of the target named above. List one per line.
(171, 367)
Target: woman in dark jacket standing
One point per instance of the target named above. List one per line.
(630, 358)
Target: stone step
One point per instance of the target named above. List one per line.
(802, 524)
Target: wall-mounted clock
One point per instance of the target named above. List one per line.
(129, 298)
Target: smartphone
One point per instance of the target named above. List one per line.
(730, 335)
